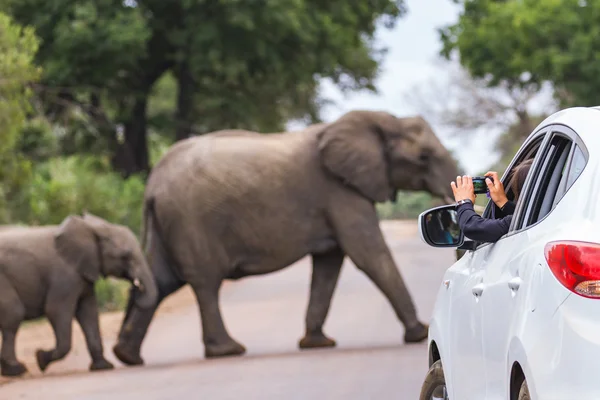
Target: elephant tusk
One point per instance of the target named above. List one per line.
(138, 284)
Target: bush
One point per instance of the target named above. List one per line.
(69, 185)
(111, 294)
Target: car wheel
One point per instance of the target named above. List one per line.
(524, 392)
(434, 386)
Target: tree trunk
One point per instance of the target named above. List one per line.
(132, 154)
(185, 101)
(525, 124)
(136, 136)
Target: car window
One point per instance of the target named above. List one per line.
(548, 184)
(527, 153)
(577, 164)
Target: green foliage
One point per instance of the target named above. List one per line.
(230, 64)
(527, 42)
(17, 46)
(84, 43)
(38, 140)
(68, 185)
(162, 105)
(271, 56)
(111, 294)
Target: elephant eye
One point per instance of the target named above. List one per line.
(425, 156)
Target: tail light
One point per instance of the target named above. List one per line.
(576, 265)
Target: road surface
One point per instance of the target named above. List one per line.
(266, 314)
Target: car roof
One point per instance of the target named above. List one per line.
(585, 121)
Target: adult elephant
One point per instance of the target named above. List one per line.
(235, 203)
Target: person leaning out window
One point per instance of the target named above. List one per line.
(474, 226)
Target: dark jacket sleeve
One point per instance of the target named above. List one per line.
(509, 208)
(475, 227)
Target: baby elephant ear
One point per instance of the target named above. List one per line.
(76, 243)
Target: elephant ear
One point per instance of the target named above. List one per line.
(352, 150)
(77, 244)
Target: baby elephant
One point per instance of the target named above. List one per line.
(51, 270)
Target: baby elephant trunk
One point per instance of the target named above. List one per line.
(146, 293)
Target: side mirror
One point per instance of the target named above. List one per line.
(438, 227)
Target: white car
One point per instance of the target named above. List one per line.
(520, 318)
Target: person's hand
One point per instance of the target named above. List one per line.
(463, 188)
(496, 189)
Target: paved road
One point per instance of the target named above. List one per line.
(266, 314)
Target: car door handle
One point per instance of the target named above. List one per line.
(478, 290)
(515, 283)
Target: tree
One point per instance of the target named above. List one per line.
(18, 46)
(235, 63)
(90, 52)
(524, 43)
(467, 106)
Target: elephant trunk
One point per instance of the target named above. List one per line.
(440, 175)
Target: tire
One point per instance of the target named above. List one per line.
(434, 383)
(524, 392)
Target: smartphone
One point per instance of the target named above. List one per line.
(479, 184)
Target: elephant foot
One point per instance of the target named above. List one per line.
(231, 348)
(101, 364)
(416, 334)
(316, 340)
(43, 359)
(126, 355)
(12, 368)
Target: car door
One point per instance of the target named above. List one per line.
(469, 380)
(510, 262)
(466, 369)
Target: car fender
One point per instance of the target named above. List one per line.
(437, 336)
(517, 354)
(439, 324)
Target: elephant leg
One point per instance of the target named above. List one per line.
(325, 274)
(137, 321)
(12, 313)
(362, 240)
(217, 342)
(87, 317)
(60, 310)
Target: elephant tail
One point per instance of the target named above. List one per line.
(148, 213)
(152, 235)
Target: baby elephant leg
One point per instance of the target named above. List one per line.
(12, 313)
(87, 317)
(60, 309)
